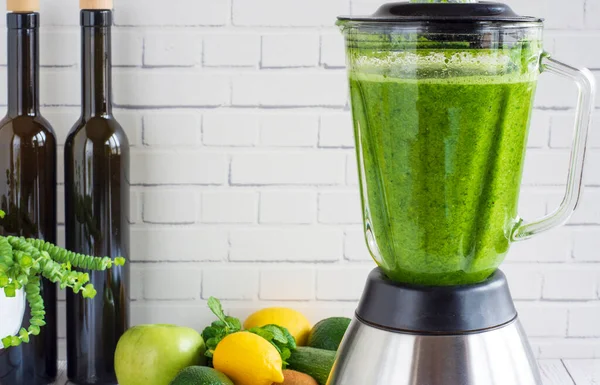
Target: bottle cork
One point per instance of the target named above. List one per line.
(96, 4)
(22, 6)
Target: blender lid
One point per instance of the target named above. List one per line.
(482, 11)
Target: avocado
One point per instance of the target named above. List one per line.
(201, 375)
(328, 334)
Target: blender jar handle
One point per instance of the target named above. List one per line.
(586, 84)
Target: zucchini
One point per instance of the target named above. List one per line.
(317, 363)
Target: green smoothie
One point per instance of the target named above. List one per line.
(440, 163)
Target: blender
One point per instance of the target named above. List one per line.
(442, 95)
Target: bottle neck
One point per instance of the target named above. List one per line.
(23, 64)
(96, 61)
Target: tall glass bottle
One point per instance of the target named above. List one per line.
(28, 190)
(96, 206)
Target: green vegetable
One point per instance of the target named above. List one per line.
(317, 363)
(220, 329)
(201, 375)
(23, 262)
(328, 333)
(277, 335)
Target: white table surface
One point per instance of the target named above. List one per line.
(554, 372)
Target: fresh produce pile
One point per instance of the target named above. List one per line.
(273, 346)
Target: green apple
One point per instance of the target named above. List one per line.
(155, 354)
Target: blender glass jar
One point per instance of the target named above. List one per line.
(442, 96)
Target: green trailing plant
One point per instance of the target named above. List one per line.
(23, 264)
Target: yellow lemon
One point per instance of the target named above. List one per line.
(292, 320)
(248, 359)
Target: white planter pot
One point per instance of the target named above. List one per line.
(11, 314)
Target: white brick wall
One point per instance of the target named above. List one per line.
(284, 206)
(229, 207)
(287, 283)
(177, 282)
(231, 50)
(163, 49)
(243, 168)
(171, 129)
(244, 278)
(290, 50)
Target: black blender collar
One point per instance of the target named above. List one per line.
(482, 11)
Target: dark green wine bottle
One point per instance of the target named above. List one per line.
(96, 209)
(28, 191)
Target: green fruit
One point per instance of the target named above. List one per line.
(201, 375)
(317, 363)
(155, 354)
(328, 334)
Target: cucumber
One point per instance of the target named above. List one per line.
(317, 363)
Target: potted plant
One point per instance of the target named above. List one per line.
(23, 264)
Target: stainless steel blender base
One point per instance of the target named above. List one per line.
(373, 356)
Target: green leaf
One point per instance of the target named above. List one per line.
(219, 324)
(218, 330)
(209, 332)
(15, 341)
(89, 291)
(10, 290)
(277, 348)
(38, 313)
(26, 261)
(23, 279)
(3, 279)
(37, 322)
(215, 306)
(234, 323)
(291, 340)
(77, 287)
(280, 338)
(267, 335)
(6, 341)
(2, 213)
(24, 335)
(212, 342)
(119, 261)
(285, 354)
(34, 329)
(278, 334)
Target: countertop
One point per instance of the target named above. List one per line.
(554, 372)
